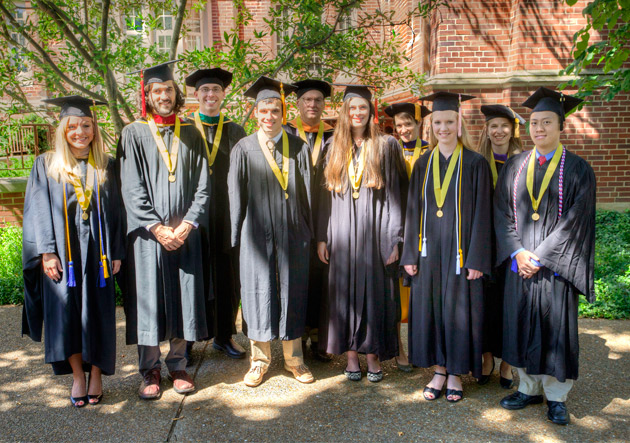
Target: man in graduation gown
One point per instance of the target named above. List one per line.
(270, 212)
(309, 126)
(165, 188)
(220, 135)
(545, 225)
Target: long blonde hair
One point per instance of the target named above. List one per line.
(61, 164)
(485, 146)
(336, 171)
(465, 139)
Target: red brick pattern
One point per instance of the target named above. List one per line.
(11, 208)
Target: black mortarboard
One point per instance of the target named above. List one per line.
(311, 84)
(446, 101)
(545, 99)
(216, 76)
(266, 87)
(362, 91)
(74, 105)
(416, 110)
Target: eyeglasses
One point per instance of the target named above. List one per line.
(310, 101)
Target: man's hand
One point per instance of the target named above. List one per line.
(116, 266)
(52, 266)
(526, 268)
(411, 269)
(393, 257)
(322, 252)
(183, 230)
(473, 274)
(166, 236)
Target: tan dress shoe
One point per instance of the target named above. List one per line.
(254, 376)
(301, 373)
(150, 386)
(182, 383)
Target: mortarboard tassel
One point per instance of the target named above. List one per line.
(459, 116)
(284, 105)
(104, 273)
(418, 115)
(72, 282)
(517, 129)
(144, 104)
(375, 108)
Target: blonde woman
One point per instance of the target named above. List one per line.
(358, 231)
(499, 140)
(72, 246)
(447, 250)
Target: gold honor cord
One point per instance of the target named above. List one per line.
(546, 179)
(318, 140)
(409, 162)
(169, 160)
(84, 196)
(493, 168)
(356, 176)
(283, 178)
(212, 155)
(441, 189)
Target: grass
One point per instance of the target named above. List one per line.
(612, 267)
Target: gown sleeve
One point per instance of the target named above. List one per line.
(198, 210)
(237, 190)
(324, 199)
(116, 226)
(569, 249)
(306, 172)
(411, 253)
(394, 163)
(508, 239)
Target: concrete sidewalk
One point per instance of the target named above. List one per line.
(35, 405)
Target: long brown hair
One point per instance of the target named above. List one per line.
(336, 171)
(485, 146)
(465, 139)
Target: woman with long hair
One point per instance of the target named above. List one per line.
(500, 139)
(358, 231)
(72, 246)
(447, 250)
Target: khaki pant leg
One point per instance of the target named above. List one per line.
(529, 384)
(292, 350)
(555, 390)
(261, 353)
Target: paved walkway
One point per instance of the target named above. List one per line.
(34, 404)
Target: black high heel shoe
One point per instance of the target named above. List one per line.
(93, 399)
(435, 392)
(484, 379)
(454, 392)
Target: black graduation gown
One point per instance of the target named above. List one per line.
(446, 309)
(360, 235)
(220, 258)
(81, 319)
(274, 235)
(540, 328)
(317, 300)
(165, 294)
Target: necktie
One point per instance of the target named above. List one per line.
(271, 146)
(541, 160)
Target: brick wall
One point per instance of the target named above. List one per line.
(11, 207)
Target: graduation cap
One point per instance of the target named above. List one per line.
(416, 110)
(495, 111)
(74, 105)
(215, 76)
(312, 85)
(265, 88)
(448, 101)
(155, 74)
(545, 99)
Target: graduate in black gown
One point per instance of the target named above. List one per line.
(72, 246)
(270, 212)
(544, 215)
(309, 126)
(407, 118)
(166, 191)
(220, 135)
(447, 250)
(359, 228)
(500, 139)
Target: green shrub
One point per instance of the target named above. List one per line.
(11, 282)
(16, 162)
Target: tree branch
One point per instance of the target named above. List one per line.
(61, 14)
(179, 20)
(104, 24)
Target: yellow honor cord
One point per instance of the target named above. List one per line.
(426, 171)
(355, 176)
(410, 161)
(318, 140)
(103, 256)
(459, 219)
(493, 168)
(283, 178)
(546, 179)
(169, 159)
(65, 213)
(212, 155)
(441, 189)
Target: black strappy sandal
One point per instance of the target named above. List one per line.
(94, 399)
(454, 392)
(435, 392)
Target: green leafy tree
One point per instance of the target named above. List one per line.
(76, 46)
(601, 50)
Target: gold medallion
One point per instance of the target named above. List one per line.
(355, 194)
(535, 216)
(210, 171)
(439, 213)
(171, 178)
(286, 195)
(85, 216)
